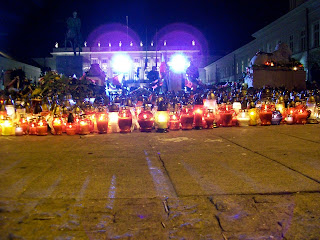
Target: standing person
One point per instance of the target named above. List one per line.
(192, 76)
(164, 76)
(154, 79)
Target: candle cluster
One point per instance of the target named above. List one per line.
(160, 113)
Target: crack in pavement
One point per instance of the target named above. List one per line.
(280, 163)
(299, 138)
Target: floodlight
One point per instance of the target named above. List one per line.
(121, 63)
(179, 63)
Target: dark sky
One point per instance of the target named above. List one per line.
(30, 28)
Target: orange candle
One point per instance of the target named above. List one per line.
(84, 127)
(70, 129)
(57, 126)
(32, 129)
(42, 128)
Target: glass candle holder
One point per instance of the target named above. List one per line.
(24, 124)
(7, 127)
(186, 119)
(209, 118)
(102, 122)
(276, 117)
(84, 127)
(32, 128)
(174, 122)
(289, 119)
(57, 125)
(236, 106)
(226, 115)
(42, 128)
(162, 121)
(198, 117)
(301, 116)
(70, 129)
(146, 121)
(19, 131)
(265, 115)
(243, 118)
(162, 117)
(125, 120)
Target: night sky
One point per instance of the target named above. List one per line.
(30, 28)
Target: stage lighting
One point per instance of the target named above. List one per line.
(179, 63)
(121, 63)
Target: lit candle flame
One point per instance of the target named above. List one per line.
(83, 123)
(57, 121)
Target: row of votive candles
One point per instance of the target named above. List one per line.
(126, 120)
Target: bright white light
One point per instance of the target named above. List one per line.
(141, 44)
(131, 44)
(179, 63)
(109, 44)
(193, 43)
(85, 43)
(121, 63)
(99, 44)
(152, 44)
(120, 44)
(165, 43)
(56, 45)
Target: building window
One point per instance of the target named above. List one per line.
(291, 42)
(104, 67)
(94, 60)
(237, 68)
(242, 66)
(303, 40)
(136, 60)
(316, 35)
(104, 60)
(268, 47)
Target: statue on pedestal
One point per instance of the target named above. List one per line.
(73, 35)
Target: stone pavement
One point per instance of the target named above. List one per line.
(224, 183)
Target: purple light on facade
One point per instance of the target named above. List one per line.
(181, 36)
(110, 35)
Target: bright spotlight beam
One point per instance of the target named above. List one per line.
(179, 63)
(121, 63)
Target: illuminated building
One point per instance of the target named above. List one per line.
(117, 60)
(299, 29)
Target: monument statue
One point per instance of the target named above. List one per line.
(73, 35)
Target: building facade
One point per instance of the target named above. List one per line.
(299, 28)
(139, 61)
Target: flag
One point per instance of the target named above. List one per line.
(188, 83)
(163, 69)
(115, 81)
